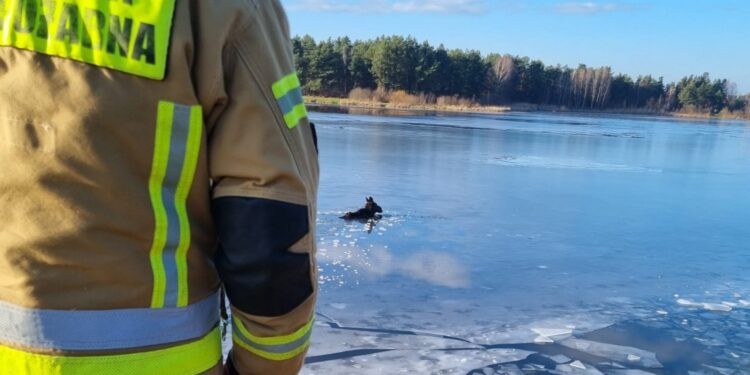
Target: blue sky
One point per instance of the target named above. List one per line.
(669, 38)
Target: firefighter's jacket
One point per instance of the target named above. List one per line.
(150, 151)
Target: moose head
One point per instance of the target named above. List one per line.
(371, 206)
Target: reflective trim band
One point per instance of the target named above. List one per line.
(279, 348)
(286, 84)
(293, 118)
(86, 330)
(128, 36)
(288, 93)
(290, 100)
(179, 132)
(158, 171)
(195, 135)
(193, 358)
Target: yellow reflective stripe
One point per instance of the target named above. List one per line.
(272, 356)
(284, 85)
(278, 348)
(288, 94)
(183, 189)
(276, 340)
(158, 171)
(125, 35)
(177, 148)
(293, 118)
(192, 358)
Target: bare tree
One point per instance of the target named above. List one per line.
(505, 73)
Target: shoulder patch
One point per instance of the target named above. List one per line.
(130, 36)
(288, 94)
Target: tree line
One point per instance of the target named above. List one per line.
(335, 67)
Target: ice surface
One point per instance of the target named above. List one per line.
(552, 332)
(508, 370)
(629, 372)
(438, 268)
(330, 341)
(720, 307)
(543, 340)
(688, 303)
(416, 362)
(717, 307)
(613, 352)
(557, 163)
(485, 252)
(720, 370)
(578, 368)
(578, 365)
(613, 365)
(560, 359)
(549, 335)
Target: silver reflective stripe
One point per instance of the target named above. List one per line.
(177, 151)
(86, 330)
(292, 99)
(274, 349)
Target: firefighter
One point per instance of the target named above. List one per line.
(152, 152)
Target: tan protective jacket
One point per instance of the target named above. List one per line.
(111, 254)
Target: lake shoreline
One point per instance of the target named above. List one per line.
(348, 104)
(354, 104)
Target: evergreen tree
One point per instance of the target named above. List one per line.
(360, 65)
(335, 67)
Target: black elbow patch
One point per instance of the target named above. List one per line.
(261, 276)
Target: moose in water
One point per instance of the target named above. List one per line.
(369, 212)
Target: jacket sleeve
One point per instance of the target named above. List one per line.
(264, 171)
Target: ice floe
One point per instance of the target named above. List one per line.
(633, 358)
(543, 340)
(721, 370)
(552, 332)
(505, 370)
(560, 359)
(577, 368)
(719, 307)
(578, 365)
(613, 352)
(549, 335)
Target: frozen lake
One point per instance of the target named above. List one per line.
(533, 244)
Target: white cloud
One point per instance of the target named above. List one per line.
(392, 6)
(591, 7)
